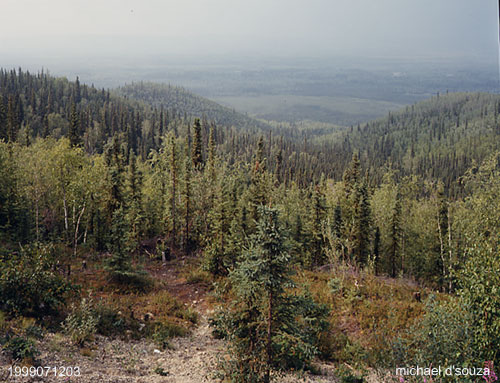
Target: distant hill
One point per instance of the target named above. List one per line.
(181, 100)
(439, 138)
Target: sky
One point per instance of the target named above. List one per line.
(298, 28)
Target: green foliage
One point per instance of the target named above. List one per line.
(13, 212)
(479, 279)
(119, 265)
(29, 284)
(81, 323)
(199, 277)
(21, 348)
(444, 336)
(266, 326)
(110, 322)
(348, 376)
(164, 331)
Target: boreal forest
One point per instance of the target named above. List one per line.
(145, 225)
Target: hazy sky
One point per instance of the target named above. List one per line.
(280, 27)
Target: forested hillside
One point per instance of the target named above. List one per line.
(174, 98)
(319, 247)
(437, 139)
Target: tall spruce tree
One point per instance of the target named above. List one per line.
(74, 127)
(362, 225)
(187, 195)
(197, 155)
(265, 324)
(394, 247)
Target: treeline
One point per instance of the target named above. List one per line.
(438, 139)
(39, 105)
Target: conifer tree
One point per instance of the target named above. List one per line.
(362, 228)
(12, 120)
(211, 155)
(74, 127)
(197, 156)
(264, 325)
(134, 208)
(394, 248)
(78, 95)
(352, 175)
(258, 190)
(316, 219)
(187, 196)
(3, 121)
(173, 188)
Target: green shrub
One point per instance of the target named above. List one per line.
(29, 286)
(443, 337)
(34, 331)
(109, 322)
(81, 324)
(335, 285)
(331, 344)
(198, 277)
(187, 314)
(348, 376)
(21, 348)
(164, 331)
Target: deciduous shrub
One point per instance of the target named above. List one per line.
(81, 323)
(29, 284)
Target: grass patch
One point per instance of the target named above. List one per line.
(164, 331)
(200, 277)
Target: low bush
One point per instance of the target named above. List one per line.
(29, 284)
(110, 322)
(81, 323)
(198, 277)
(443, 337)
(164, 331)
(21, 349)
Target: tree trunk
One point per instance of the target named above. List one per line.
(441, 244)
(75, 238)
(37, 218)
(269, 350)
(450, 253)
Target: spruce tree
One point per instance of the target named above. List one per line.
(197, 156)
(12, 120)
(135, 215)
(394, 249)
(265, 323)
(3, 121)
(173, 188)
(74, 127)
(316, 219)
(186, 196)
(362, 225)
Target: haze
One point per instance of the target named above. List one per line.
(298, 28)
